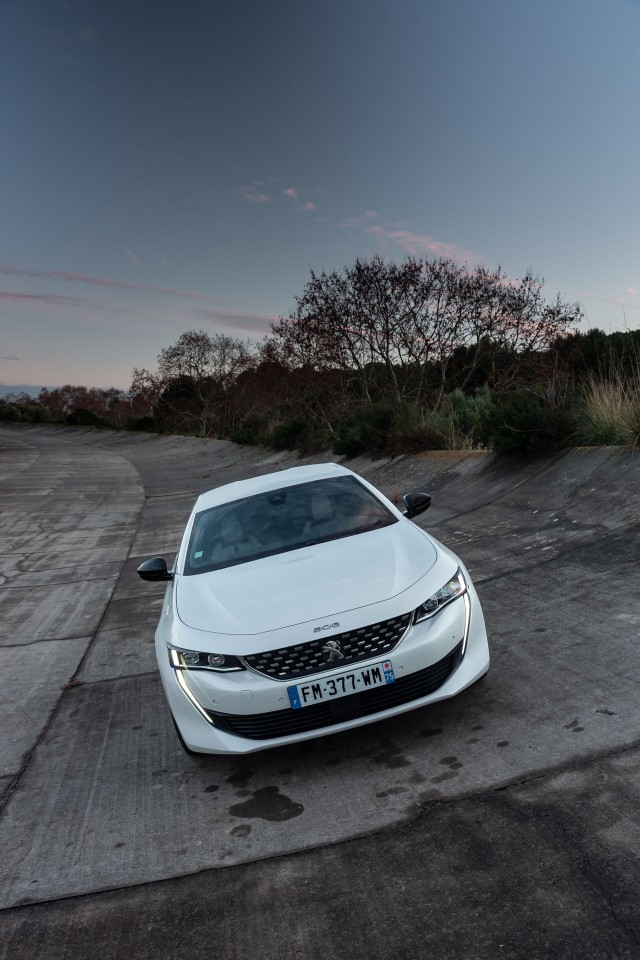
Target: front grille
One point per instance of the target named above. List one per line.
(305, 659)
(284, 723)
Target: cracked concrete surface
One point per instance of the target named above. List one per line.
(500, 823)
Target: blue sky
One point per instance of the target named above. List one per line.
(181, 166)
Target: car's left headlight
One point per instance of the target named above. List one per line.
(182, 659)
(453, 588)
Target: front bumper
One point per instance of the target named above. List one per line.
(245, 712)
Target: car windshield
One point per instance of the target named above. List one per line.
(280, 520)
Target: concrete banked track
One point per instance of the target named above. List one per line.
(500, 823)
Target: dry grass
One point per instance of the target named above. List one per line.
(610, 410)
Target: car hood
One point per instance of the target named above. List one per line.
(311, 583)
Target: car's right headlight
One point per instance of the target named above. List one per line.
(450, 591)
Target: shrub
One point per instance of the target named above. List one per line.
(287, 435)
(22, 412)
(247, 434)
(305, 436)
(82, 418)
(462, 418)
(388, 429)
(144, 424)
(254, 428)
(9, 411)
(105, 423)
(521, 422)
(33, 412)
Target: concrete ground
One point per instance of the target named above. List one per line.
(502, 823)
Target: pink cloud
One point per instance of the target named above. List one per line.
(416, 243)
(132, 256)
(256, 191)
(305, 206)
(50, 298)
(255, 322)
(57, 300)
(257, 197)
(102, 282)
(360, 221)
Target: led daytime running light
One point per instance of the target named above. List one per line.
(182, 659)
(455, 587)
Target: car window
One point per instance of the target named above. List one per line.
(280, 520)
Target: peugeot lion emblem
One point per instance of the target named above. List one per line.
(332, 650)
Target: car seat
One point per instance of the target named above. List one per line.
(322, 522)
(232, 540)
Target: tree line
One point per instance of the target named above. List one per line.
(380, 356)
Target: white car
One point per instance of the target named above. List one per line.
(304, 603)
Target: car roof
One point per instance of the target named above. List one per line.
(270, 481)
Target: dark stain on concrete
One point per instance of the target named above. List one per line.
(390, 755)
(240, 776)
(502, 743)
(416, 777)
(430, 731)
(392, 762)
(447, 760)
(573, 725)
(473, 740)
(391, 792)
(211, 788)
(241, 831)
(446, 775)
(606, 711)
(478, 726)
(267, 804)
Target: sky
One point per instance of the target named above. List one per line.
(184, 165)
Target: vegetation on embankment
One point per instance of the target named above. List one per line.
(385, 358)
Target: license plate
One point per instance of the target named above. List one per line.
(356, 681)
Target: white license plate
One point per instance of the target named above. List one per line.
(356, 681)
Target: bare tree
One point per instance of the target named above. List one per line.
(192, 378)
(394, 327)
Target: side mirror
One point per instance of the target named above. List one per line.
(416, 503)
(154, 570)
